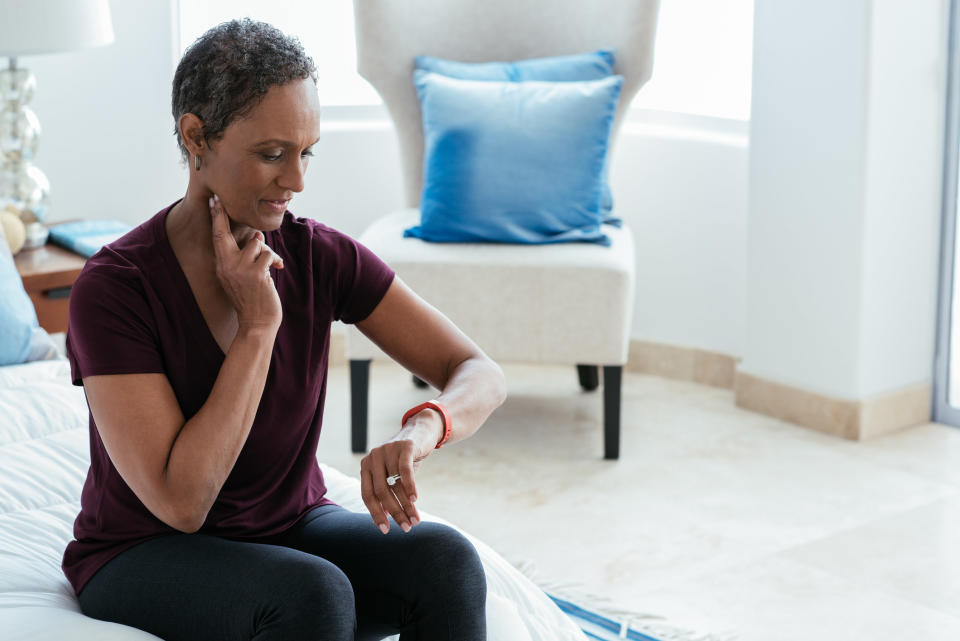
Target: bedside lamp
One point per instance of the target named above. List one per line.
(31, 27)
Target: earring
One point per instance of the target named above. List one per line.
(197, 162)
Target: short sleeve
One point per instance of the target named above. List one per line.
(361, 278)
(111, 327)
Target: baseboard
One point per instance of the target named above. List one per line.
(682, 363)
(851, 419)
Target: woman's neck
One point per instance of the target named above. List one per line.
(189, 229)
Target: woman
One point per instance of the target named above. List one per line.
(201, 339)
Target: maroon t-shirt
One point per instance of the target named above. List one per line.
(132, 311)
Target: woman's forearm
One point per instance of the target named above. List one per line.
(209, 444)
(474, 390)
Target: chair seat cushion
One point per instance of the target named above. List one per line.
(563, 303)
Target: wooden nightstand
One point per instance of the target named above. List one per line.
(48, 273)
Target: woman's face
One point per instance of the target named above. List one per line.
(260, 162)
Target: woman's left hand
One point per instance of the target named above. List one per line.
(400, 455)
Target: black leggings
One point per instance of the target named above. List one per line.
(333, 576)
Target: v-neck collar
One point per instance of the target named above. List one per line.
(182, 283)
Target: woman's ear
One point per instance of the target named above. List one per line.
(191, 133)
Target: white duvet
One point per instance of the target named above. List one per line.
(44, 455)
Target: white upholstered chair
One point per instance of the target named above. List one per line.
(568, 303)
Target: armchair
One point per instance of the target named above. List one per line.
(569, 303)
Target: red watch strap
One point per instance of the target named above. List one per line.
(433, 405)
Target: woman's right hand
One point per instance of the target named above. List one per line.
(244, 273)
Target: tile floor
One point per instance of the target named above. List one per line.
(719, 519)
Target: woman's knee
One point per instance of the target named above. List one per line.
(317, 602)
(454, 593)
(459, 571)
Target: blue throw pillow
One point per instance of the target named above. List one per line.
(514, 162)
(18, 319)
(583, 66)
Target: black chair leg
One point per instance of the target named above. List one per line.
(589, 377)
(359, 386)
(418, 382)
(612, 375)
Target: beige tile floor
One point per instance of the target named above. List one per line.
(719, 519)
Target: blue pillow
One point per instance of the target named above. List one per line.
(514, 162)
(18, 319)
(582, 66)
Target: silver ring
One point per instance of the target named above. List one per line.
(392, 480)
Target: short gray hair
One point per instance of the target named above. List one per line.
(227, 71)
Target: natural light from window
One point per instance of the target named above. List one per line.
(702, 58)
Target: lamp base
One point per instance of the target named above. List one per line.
(37, 235)
(22, 184)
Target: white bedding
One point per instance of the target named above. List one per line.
(44, 455)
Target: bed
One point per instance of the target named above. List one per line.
(44, 457)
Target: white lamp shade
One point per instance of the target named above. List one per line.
(29, 27)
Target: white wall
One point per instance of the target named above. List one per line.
(904, 165)
(107, 144)
(683, 191)
(807, 148)
(109, 151)
(844, 193)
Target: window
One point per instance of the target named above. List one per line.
(702, 59)
(325, 29)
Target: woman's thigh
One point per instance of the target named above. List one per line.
(426, 584)
(195, 586)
